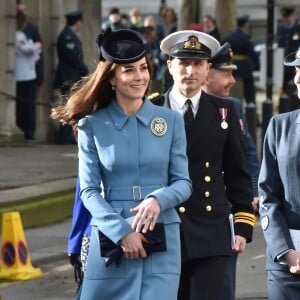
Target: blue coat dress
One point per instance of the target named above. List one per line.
(133, 158)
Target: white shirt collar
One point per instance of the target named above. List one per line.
(177, 101)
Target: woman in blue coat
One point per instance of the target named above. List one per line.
(279, 192)
(137, 151)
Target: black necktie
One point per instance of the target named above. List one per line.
(188, 115)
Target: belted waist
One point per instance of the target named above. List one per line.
(239, 57)
(135, 192)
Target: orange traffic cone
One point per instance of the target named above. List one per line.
(15, 263)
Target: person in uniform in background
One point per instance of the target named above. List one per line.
(244, 56)
(216, 157)
(288, 38)
(219, 82)
(137, 151)
(279, 197)
(71, 67)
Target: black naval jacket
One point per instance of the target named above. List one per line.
(221, 184)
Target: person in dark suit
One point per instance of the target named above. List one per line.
(217, 168)
(279, 192)
(219, 82)
(71, 67)
(244, 56)
(288, 38)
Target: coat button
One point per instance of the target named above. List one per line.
(181, 209)
(207, 179)
(207, 164)
(207, 194)
(208, 208)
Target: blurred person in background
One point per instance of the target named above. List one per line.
(71, 67)
(32, 32)
(27, 55)
(210, 26)
(135, 17)
(244, 56)
(288, 38)
(149, 33)
(166, 25)
(113, 21)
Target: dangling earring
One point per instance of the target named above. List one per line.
(113, 88)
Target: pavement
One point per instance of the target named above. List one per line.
(31, 176)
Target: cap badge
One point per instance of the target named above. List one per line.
(159, 126)
(192, 43)
(230, 52)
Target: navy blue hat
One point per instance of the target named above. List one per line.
(73, 17)
(293, 59)
(122, 46)
(287, 11)
(242, 19)
(222, 60)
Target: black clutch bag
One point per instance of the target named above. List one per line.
(113, 253)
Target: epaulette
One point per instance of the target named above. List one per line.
(154, 96)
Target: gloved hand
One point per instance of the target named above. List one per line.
(74, 259)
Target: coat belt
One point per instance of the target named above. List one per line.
(135, 192)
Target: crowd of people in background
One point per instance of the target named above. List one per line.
(154, 28)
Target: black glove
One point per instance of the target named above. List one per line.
(76, 263)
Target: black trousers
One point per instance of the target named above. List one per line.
(203, 278)
(26, 108)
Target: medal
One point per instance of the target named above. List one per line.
(223, 113)
(224, 124)
(159, 126)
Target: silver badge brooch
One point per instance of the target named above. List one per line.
(159, 126)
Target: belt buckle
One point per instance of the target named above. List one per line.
(136, 193)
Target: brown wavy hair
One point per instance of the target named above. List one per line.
(88, 95)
